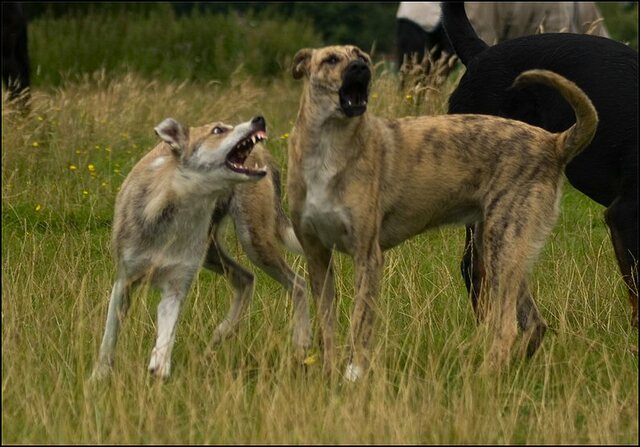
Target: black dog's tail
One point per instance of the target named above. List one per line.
(573, 140)
(462, 36)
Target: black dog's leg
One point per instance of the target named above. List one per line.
(622, 219)
(472, 269)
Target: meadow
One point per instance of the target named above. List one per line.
(62, 165)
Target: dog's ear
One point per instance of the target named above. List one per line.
(301, 63)
(362, 54)
(173, 133)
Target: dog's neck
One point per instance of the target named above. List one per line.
(329, 133)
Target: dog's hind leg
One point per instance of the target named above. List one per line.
(118, 306)
(265, 253)
(530, 320)
(622, 219)
(241, 280)
(472, 267)
(510, 246)
(499, 301)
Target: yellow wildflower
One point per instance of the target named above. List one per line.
(91, 167)
(85, 193)
(35, 144)
(284, 136)
(72, 167)
(311, 360)
(38, 207)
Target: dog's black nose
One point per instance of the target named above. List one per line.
(358, 67)
(259, 121)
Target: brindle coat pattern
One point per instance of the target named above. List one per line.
(365, 184)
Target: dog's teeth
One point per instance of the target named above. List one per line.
(349, 102)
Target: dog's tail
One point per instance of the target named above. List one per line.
(461, 34)
(573, 140)
(284, 229)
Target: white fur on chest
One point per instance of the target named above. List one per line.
(322, 215)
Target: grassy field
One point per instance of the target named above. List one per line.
(62, 165)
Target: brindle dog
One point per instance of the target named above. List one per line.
(363, 184)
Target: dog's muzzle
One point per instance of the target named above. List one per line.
(354, 92)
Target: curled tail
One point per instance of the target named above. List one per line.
(284, 229)
(573, 140)
(461, 34)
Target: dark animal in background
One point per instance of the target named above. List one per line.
(16, 71)
(419, 25)
(607, 71)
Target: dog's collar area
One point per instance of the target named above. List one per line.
(238, 155)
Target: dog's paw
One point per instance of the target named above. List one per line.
(222, 332)
(495, 361)
(159, 367)
(100, 372)
(533, 338)
(301, 342)
(353, 373)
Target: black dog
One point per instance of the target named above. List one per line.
(16, 72)
(607, 71)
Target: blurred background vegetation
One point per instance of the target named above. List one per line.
(210, 41)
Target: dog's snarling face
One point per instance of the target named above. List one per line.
(342, 73)
(216, 147)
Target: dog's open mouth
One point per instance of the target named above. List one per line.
(238, 155)
(353, 96)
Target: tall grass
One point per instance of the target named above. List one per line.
(206, 47)
(582, 387)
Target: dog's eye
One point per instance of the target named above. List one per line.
(332, 60)
(363, 59)
(216, 130)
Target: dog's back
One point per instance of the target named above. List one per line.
(607, 71)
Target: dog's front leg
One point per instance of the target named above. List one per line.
(369, 265)
(323, 289)
(118, 305)
(168, 313)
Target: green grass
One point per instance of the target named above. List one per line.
(205, 47)
(581, 387)
(621, 19)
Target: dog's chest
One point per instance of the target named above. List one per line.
(323, 215)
